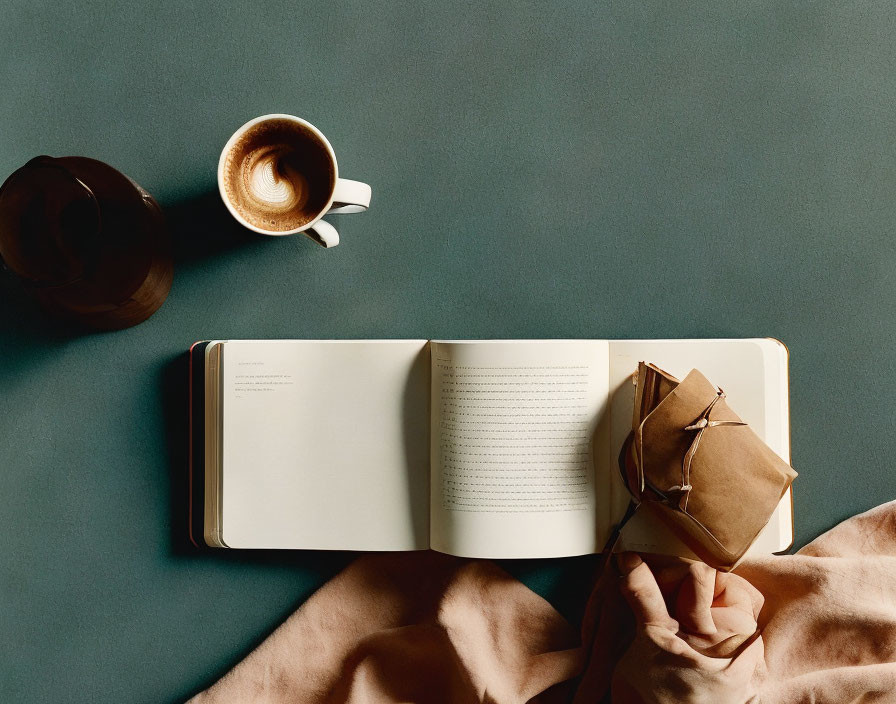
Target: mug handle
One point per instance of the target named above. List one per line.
(348, 197)
(323, 233)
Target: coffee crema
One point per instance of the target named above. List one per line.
(279, 175)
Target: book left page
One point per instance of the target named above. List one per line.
(325, 444)
(513, 439)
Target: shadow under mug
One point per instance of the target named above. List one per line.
(345, 196)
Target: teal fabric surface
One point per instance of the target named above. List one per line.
(576, 169)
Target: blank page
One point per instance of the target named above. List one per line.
(325, 444)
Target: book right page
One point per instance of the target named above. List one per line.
(753, 373)
(513, 430)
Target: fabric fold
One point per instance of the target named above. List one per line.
(817, 626)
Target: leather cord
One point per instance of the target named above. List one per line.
(701, 425)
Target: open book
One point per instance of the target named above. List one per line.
(489, 448)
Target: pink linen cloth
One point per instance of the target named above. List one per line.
(816, 627)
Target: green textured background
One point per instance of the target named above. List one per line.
(585, 169)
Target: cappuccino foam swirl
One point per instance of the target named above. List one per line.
(273, 181)
(279, 175)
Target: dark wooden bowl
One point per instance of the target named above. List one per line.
(88, 242)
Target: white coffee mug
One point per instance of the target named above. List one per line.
(345, 196)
